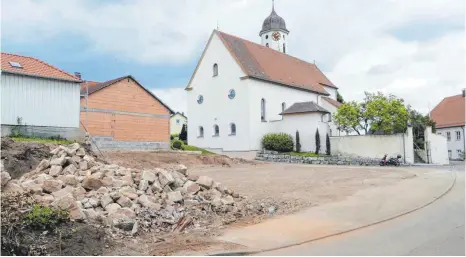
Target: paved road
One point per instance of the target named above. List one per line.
(438, 229)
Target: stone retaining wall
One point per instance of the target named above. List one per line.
(273, 156)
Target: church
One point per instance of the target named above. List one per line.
(241, 90)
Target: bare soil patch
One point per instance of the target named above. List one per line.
(148, 160)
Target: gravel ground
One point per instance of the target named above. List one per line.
(295, 187)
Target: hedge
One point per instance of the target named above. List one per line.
(280, 142)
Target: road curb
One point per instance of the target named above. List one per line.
(246, 252)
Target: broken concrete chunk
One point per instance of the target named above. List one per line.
(70, 180)
(143, 185)
(83, 165)
(148, 175)
(205, 181)
(5, 176)
(175, 196)
(52, 185)
(106, 200)
(63, 192)
(44, 164)
(31, 186)
(58, 160)
(111, 208)
(81, 152)
(70, 169)
(228, 200)
(165, 178)
(91, 183)
(124, 202)
(191, 187)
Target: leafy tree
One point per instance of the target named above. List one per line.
(184, 133)
(419, 123)
(327, 143)
(340, 98)
(298, 145)
(317, 141)
(377, 113)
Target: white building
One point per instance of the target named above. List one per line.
(177, 121)
(42, 98)
(239, 90)
(449, 116)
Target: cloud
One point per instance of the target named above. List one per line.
(175, 98)
(390, 45)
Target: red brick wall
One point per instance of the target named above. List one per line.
(127, 97)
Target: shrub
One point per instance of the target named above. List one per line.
(327, 143)
(298, 145)
(174, 136)
(177, 144)
(278, 142)
(317, 141)
(45, 217)
(184, 133)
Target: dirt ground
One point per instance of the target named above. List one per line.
(288, 187)
(147, 159)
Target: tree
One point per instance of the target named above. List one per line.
(376, 114)
(340, 98)
(298, 145)
(184, 133)
(419, 123)
(327, 143)
(317, 141)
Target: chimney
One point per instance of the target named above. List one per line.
(464, 92)
(77, 75)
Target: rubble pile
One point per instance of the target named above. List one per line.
(132, 200)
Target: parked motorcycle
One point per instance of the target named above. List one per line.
(392, 161)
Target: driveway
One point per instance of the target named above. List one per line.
(438, 229)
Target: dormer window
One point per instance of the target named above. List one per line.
(215, 70)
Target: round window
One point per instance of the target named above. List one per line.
(200, 99)
(231, 94)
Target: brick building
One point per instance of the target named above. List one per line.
(122, 114)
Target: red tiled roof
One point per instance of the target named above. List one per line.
(89, 84)
(33, 67)
(332, 102)
(264, 63)
(449, 112)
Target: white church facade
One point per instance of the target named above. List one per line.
(241, 91)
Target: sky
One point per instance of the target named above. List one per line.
(413, 49)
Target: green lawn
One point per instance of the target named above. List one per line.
(194, 148)
(42, 140)
(305, 154)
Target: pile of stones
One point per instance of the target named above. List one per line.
(128, 199)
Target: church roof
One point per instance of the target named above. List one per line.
(304, 107)
(273, 22)
(332, 102)
(263, 63)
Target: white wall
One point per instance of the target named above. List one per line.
(437, 146)
(374, 146)
(39, 101)
(306, 124)
(217, 108)
(453, 144)
(276, 45)
(274, 96)
(332, 109)
(332, 91)
(175, 127)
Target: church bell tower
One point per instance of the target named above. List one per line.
(274, 33)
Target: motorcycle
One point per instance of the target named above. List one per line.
(392, 161)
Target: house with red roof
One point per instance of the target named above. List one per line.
(41, 97)
(241, 90)
(122, 114)
(449, 117)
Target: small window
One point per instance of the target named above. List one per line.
(439, 133)
(284, 48)
(263, 109)
(458, 135)
(201, 131)
(267, 44)
(448, 136)
(231, 94)
(449, 154)
(329, 117)
(283, 36)
(331, 132)
(459, 152)
(215, 70)
(15, 65)
(232, 129)
(177, 121)
(267, 37)
(216, 131)
(283, 107)
(200, 99)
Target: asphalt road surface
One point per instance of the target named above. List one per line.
(437, 229)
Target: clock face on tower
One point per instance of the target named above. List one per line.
(276, 36)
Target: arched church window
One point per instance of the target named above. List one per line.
(266, 36)
(283, 36)
(215, 70)
(267, 44)
(283, 106)
(201, 131)
(216, 131)
(232, 129)
(263, 109)
(284, 48)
